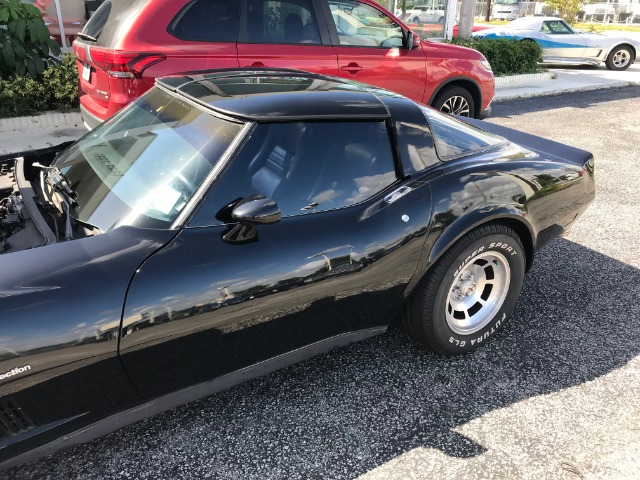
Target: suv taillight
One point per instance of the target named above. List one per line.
(123, 64)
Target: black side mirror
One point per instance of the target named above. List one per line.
(409, 41)
(249, 212)
(256, 210)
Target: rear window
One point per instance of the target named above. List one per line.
(454, 139)
(207, 21)
(109, 19)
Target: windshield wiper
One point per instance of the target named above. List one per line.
(86, 36)
(59, 183)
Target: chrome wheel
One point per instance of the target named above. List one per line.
(456, 105)
(621, 59)
(477, 293)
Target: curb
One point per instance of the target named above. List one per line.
(45, 120)
(559, 91)
(525, 78)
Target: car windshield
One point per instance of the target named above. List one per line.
(142, 166)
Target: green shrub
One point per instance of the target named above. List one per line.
(25, 44)
(55, 89)
(506, 57)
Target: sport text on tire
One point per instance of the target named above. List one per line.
(469, 293)
(619, 58)
(455, 101)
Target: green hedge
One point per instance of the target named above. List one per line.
(506, 57)
(55, 89)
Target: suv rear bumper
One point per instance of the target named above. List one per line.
(90, 120)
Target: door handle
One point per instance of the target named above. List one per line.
(352, 68)
(397, 194)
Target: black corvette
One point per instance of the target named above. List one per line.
(230, 223)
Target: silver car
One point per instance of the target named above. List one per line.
(561, 44)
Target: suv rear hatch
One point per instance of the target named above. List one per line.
(109, 77)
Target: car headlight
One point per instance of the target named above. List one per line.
(486, 65)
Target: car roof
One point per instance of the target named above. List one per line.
(280, 95)
(525, 22)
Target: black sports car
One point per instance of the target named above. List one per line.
(230, 223)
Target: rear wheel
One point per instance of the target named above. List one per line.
(469, 293)
(455, 101)
(619, 58)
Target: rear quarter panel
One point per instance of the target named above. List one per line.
(539, 194)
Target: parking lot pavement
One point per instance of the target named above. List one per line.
(554, 396)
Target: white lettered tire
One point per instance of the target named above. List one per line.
(469, 293)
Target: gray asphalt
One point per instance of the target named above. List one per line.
(554, 396)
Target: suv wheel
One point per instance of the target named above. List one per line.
(455, 101)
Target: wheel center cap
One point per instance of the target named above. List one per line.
(468, 289)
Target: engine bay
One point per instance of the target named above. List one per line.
(32, 202)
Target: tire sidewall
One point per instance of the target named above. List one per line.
(513, 252)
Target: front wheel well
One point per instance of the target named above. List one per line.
(469, 86)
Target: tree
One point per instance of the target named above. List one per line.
(568, 9)
(25, 45)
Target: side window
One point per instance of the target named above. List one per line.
(555, 27)
(359, 24)
(207, 21)
(454, 138)
(306, 168)
(281, 21)
(416, 146)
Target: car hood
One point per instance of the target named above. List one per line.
(598, 39)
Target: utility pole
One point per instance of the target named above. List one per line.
(465, 22)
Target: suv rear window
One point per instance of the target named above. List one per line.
(108, 33)
(207, 21)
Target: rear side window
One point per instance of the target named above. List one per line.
(207, 21)
(281, 21)
(454, 138)
(108, 22)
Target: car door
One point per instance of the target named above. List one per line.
(225, 296)
(370, 48)
(559, 41)
(285, 34)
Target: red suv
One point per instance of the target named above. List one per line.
(127, 44)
